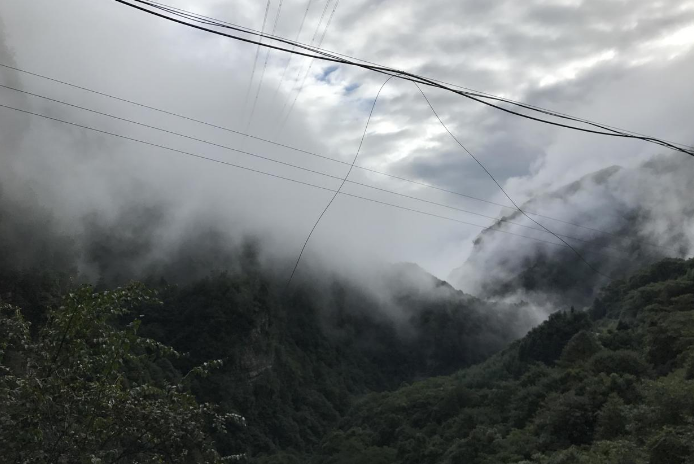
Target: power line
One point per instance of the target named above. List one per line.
(580, 256)
(178, 115)
(308, 71)
(298, 72)
(407, 76)
(255, 60)
(327, 158)
(329, 53)
(276, 176)
(262, 74)
(289, 60)
(336, 192)
(225, 147)
(361, 142)
(206, 20)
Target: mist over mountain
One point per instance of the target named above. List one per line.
(635, 216)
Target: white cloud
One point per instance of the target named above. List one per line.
(571, 70)
(621, 62)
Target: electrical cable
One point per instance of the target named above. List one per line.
(414, 182)
(262, 74)
(579, 255)
(361, 142)
(255, 60)
(298, 71)
(289, 60)
(220, 23)
(407, 76)
(308, 71)
(276, 176)
(255, 155)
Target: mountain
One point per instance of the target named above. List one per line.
(330, 375)
(294, 363)
(395, 365)
(614, 384)
(617, 219)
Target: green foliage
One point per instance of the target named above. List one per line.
(294, 363)
(580, 348)
(546, 342)
(612, 419)
(621, 393)
(565, 420)
(671, 400)
(689, 369)
(668, 447)
(618, 362)
(325, 377)
(74, 392)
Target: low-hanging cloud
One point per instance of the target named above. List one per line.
(541, 53)
(636, 216)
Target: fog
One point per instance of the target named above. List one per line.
(107, 207)
(637, 215)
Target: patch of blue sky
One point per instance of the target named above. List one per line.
(351, 88)
(325, 75)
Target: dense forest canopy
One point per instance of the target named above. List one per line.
(326, 377)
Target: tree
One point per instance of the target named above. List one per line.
(565, 420)
(668, 448)
(580, 348)
(612, 419)
(78, 392)
(546, 342)
(689, 369)
(619, 362)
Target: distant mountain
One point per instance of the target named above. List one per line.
(411, 275)
(631, 217)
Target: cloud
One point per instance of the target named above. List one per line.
(637, 215)
(627, 63)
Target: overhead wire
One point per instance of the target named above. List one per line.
(336, 192)
(289, 60)
(262, 74)
(491, 176)
(327, 158)
(417, 80)
(298, 71)
(257, 171)
(325, 210)
(308, 71)
(407, 76)
(479, 93)
(255, 59)
(210, 21)
(284, 163)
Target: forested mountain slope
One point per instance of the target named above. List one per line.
(294, 364)
(619, 219)
(295, 361)
(611, 385)
(334, 371)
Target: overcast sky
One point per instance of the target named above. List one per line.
(627, 63)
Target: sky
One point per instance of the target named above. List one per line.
(627, 63)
